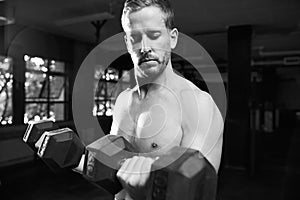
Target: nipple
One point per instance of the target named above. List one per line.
(154, 145)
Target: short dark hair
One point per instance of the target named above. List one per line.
(164, 5)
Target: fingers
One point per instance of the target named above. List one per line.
(126, 169)
(135, 171)
(145, 172)
(134, 174)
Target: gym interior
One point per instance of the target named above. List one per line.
(254, 44)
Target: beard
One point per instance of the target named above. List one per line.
(149, 66)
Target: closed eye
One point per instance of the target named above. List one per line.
(135, 38)
(153, 34)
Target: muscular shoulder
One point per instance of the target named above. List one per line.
(196, 98)
(197, 106)
(191, 96)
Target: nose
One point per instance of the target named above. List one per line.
(145, 45)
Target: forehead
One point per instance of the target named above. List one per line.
(150, 17)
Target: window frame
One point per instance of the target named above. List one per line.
(49, 101)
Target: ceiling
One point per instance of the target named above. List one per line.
(276, 23)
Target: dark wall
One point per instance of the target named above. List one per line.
(239, 69)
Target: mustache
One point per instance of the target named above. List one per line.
(147, 57)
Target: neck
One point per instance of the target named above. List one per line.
(146, 84)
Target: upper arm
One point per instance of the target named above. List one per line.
(202, 125)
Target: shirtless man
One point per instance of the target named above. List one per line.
(163, 109)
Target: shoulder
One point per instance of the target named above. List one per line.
(192, 96)
(197, 106)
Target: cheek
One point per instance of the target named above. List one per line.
(164, 47)
(165, 53)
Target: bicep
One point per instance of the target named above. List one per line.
(203, 127)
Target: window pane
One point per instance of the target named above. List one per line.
(56, 66)
(99, 89)
(99, 72)
(36, 63)
(43, 88)
(6, 79)
(99, 108)
(38, 111)
(112, 90)
(109, 108)
(57, 86)
(57, 111)
(36, 86)
(106, 89)
(112, 74)
(103, 108)
(35, 111)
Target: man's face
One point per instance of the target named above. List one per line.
(148, 41)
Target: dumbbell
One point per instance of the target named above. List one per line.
(35, 130)
(114, 150)
(62, 148)
(190, 176)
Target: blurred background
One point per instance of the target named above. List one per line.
(255, 45)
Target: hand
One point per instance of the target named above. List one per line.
(134, 174)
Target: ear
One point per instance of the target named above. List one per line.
(173, 37)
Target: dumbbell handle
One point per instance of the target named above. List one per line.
(83, 160)
(80, 168)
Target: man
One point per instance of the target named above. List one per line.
(163, 110)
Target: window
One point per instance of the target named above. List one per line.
(6, 80)
(45, 89)
(108, 85)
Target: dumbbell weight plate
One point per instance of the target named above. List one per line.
(189, 177)
(113, 149)
(61, 148)
(35, 130)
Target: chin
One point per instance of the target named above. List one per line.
(151, 72)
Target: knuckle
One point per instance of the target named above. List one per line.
(119, 174)
(133, 181)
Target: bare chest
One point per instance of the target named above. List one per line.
(157, 123)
